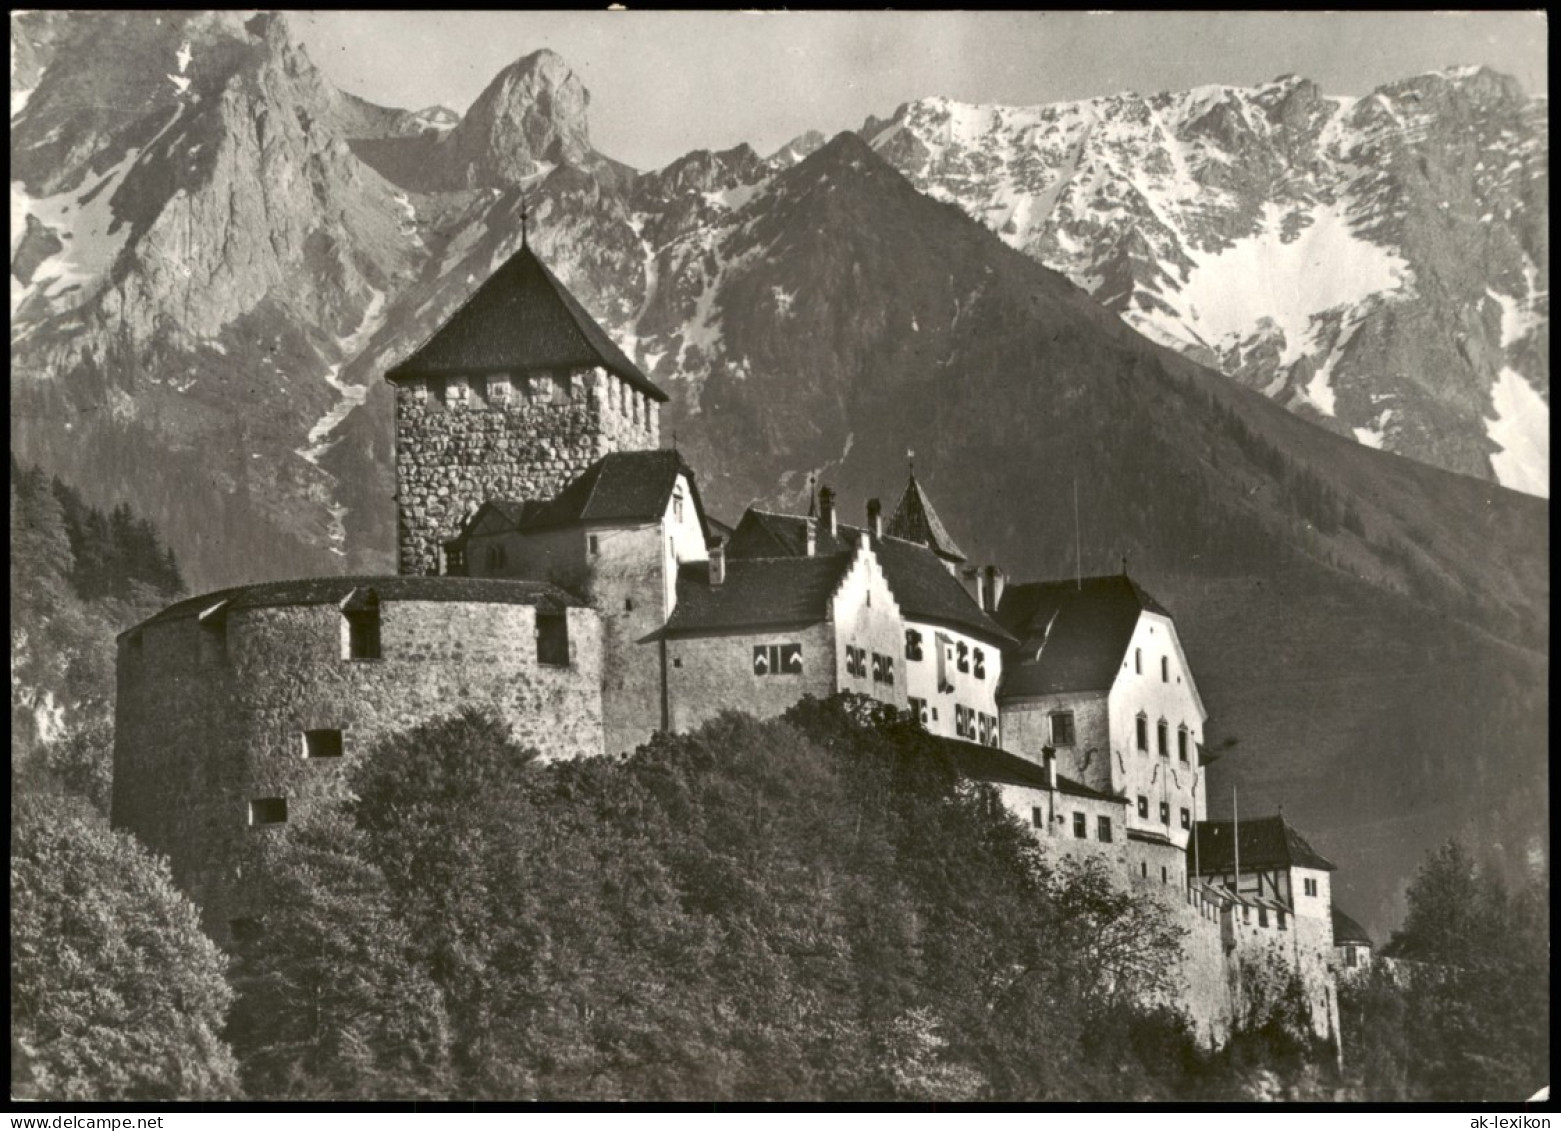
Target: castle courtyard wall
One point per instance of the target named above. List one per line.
(709, 674)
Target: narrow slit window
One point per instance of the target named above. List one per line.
(1037, 819)
(1181, 744)
(1163, 738)
(553, 639)
(268, 811)
(1143, 732)
(1165, 669)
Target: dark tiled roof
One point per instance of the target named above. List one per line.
(1347, 930)
(1074, 634)
(922, 584)
(522, 318)
(1266, 842)
(915, 521)
(619, 487)
(989, 764)
(757, 593)
(334, 590)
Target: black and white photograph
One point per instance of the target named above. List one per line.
(856, 557)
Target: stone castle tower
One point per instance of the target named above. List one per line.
(512, 398)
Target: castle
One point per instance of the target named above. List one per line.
(558, 566)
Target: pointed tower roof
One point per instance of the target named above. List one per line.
(521, 319)
(915, 521)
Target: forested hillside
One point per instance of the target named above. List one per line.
(78, 576)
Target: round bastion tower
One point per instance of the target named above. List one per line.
(514, 396)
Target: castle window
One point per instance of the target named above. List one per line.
(1165, 877)
(1309, 886)
(628, 604)
(1349, 956)
(455, 392)
(1181, 743)
(918, 708)
(677, 507)
(883, 669)
(1262, 916)
(1186, 819)
(1081, 826)
(1062, 728)
(1143, 868)
(785, 659)
(1037, 818)
(268, 811)
(1163, 738)
(1279, 911)
(495, 557)
(1138, 661)
(214, 636)
(560, 389)
(1143, 732)
(1165, 812)
(912, 644)
(552, 639)
(980, 664)
(593, 545)
(1143, 806)
(1103, 829)
(677, 661)
(1165, 669)
(360, 616)
(322, 744)
(498, 388)
(856, 661)
(934, 714)
(963, 654)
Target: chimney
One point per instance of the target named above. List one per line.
(1049, 757)
(995, 581)
(826, 511)
(875, 518)
(970, 578)
(811, 524)
(718, 564)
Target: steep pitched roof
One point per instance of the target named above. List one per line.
(1347, 931)
(619, 487)
(522, 318)
(335, 590)
(915, 521)
(756, 593)
(1266, 842)
(1074, 634)
(922, 585)
(989, 764)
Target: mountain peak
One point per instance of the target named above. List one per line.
(533, 113)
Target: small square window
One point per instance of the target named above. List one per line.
(268, 811)
(1062, 728)
(1081, 826)
(322, 744)
(677, 661)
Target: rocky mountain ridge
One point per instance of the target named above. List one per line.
(1379, 265)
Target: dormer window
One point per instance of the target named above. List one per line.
(498, 388)
(360, 622)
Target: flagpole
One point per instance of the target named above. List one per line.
(1235, 838)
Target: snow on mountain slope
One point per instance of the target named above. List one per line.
(1331, 252)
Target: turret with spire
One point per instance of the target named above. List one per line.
(914, 520)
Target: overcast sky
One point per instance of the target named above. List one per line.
(665, 83)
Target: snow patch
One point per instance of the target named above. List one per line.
(351, 396)
(1521, 429)
(1325, 267)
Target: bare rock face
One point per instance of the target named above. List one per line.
(1378, 265)
(532, 115)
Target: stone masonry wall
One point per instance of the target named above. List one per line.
(1027, 728)
(708, 674)
(460, 442)
(196, 740)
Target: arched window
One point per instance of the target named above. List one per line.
(1163, 738)
(1181, 742)
(1143, 732)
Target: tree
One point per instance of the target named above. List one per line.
(329, 1005)
(115, 993)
